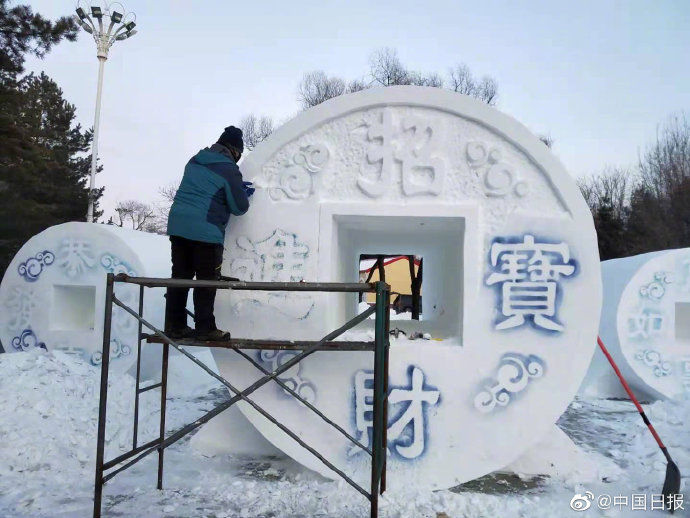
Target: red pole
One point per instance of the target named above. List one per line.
(630, 393)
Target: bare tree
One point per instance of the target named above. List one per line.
(386, 69)
(666, 164)
(167, 196)
(588, 189)
(148, 218)
(418, 79)
(168, 193)
(660, 205)
(648, 210)
(316, 87)
(134, 213)
(356, 85)
(462, 81)
(611, 188)
(487, 90)
(433, 79)
(255, 130)
(156, 226)
(609, 197)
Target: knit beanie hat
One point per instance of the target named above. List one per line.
(232, 138)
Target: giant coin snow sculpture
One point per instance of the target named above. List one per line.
(511, 280)
(645, 324)
(52, 297)
(52, 294)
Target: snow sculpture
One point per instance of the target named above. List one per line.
(645, 324)
(52, 294)
(511, 280)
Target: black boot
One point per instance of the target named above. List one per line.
(214, 335)
(179, 333)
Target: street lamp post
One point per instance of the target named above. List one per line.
(120, 26)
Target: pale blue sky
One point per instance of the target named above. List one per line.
(598, 76)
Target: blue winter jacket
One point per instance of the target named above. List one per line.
(210, 191)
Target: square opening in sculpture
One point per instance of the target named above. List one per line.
(73, 308)
(404, 273)
(436, 245)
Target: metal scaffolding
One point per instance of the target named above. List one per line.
(380, 347)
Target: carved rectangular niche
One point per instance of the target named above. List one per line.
(683, 322)
(73, 308)
(435, 233)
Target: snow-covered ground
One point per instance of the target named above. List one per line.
(48, 420)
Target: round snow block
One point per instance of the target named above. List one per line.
(645, 324)
(511, 281)
(53, 292)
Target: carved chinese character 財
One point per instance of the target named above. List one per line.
(406, 432)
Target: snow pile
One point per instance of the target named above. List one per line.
(48, 421)
(50, 411)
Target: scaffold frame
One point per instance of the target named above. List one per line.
(380, 347)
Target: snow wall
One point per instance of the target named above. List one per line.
(645, 325)
(511, 290)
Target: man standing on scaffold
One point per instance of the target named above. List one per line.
(211, 190)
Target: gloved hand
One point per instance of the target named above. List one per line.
(248, 189)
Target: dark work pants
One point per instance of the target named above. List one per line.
(189, 259)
